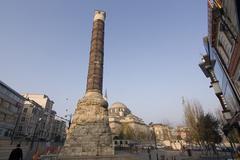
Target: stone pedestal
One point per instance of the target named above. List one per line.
(89, 134)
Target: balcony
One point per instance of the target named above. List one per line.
(206, 65)
(215, 85)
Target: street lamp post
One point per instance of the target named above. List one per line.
(70, 116)
(70, 119)
(155, 140)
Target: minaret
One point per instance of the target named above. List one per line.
(90, 134)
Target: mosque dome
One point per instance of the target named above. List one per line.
(118, 105)
(119, 108)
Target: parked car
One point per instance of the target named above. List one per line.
(160, 146)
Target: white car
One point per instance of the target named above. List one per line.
(160, 146)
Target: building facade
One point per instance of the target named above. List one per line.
(46, 121)
(127, 126)
(170, 137)
(59, 130)
(11, 105)
(29, 119)
(222, 62)
(163, 134)
(182, 133)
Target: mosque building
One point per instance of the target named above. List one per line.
(127, 126)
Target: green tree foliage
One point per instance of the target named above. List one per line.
(204, 128)
(208, 127)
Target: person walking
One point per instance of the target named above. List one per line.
(149, 153)
(16, 153)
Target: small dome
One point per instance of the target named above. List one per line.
(118, 105)
(118, 109)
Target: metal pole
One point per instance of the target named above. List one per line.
(34, 136)
(70, 121)
(155, 141)
(15, 127)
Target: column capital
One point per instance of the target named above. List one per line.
(99, 15)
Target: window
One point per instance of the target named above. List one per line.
(6, 133)
(5, 104)
(4, 117)
(10, 119)
(20, 128)
(231, 99)
(219, 73)
(13, 108)
(25, 110)
(1, 131)
(23, 119)
(29, 130)
(34, 111)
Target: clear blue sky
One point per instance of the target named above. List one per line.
(152, 51)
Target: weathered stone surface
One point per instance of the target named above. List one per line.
(89, 134)
(95, 68)
(117, 157)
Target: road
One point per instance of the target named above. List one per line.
(174, 155)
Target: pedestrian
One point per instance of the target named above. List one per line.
(16, 153)
(189, 152)
(149, 153)
(183, 149)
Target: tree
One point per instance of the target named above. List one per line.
(209, 134)
(204, 128)
(209, 129)
(127, 132)
(193, 111)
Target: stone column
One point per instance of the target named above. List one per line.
(90, 134)
(95, 69)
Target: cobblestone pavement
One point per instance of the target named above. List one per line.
(175, 155)
(161, 154)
